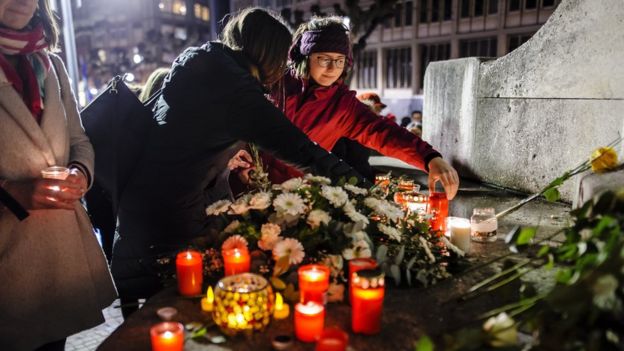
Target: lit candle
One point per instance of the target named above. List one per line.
(282, 310)
(313, 283)
(417, 203)
(460, 232)
(208, 301)
(309, 321)
(438, 207)
(55, 172)
(236, 261)
(367, 303)
(167, 336)
(332, 339)
(357, 264)
(189, 268)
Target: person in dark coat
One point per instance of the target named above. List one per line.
(213, 98)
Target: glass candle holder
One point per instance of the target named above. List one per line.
(483, 224)
(438, 208)
(332, 339)
(382, 180)
(55, 172)
(313, 283)
(309, 321)
(189, 272)
(459, 232)
(358, 264)
(417, 203)
(405, 188)
(167, 336)
(367, 304)
(243, 302)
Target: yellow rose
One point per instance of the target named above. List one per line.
(603, 159)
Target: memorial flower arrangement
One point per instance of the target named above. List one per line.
(310, 220)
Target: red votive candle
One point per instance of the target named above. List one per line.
(367, 304)
(167, 336)
(309, 321)
(439, 208)
(236, 261)
(313, 283)
(357, 264)
(189, 269)
(332, 339)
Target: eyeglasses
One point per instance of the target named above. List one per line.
(325, 61)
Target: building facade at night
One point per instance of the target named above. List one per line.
(397, 53)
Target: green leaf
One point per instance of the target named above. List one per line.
(424, 344)
(399, 257)
(353, 181)
(551, 261)
(382, 253)
(526, 235)
(543, 250)
(552, 194)
(408, 276)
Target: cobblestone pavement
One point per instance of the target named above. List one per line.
(89, 339)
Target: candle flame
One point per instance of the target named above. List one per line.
(279, 301)
(167, 335)
(188, 255)
(210, 295)
(237, 253)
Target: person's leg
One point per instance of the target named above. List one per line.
(58, 345)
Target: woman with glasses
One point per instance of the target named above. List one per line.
(318, 102)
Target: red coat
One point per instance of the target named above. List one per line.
(326, 114)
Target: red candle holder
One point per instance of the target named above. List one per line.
(167, 336)
(367, 304)
(332, 339)
(313, 283)
(189, 272)
(236, 261)
(439, 208)
(309, 321)
(358, 264)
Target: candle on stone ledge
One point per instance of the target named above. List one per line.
(459, 229)
(282, 310)
(236, 261)
(367, 304)
(207, 302)
(313, 283)
(189, 272)
(309, 321)
(357, 264)
(167, 336)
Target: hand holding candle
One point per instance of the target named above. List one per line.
(189, 269)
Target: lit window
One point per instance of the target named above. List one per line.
(179, 7)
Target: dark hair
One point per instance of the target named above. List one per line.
(299, 62)
(405, 121)
(263, 37)
(153, 83)
(47, 18)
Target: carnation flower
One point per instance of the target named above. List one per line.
(260, 201)
(317, 179)
(353, 214)
(289, 247)
(391, 232)
(356, 189)
(292, 184)
(234, 242)
(231, 228)
(336, 195)
(289, 203)
(216, 208)
(316, 217)
(270, 236)
(360, 250)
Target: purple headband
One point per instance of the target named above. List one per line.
(331, 39)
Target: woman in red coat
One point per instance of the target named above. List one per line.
(318, 102)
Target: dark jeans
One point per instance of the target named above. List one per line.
(53, 346)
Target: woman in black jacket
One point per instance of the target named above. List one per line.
(213, 99)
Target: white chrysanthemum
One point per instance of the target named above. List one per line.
(289, 203)
(372, 203)
(356, 189)
(292, 184)
(353, 214)
(390, 211)
(231, 228)
(317, 179)
(425, 245)
(289, 247)
(240, 206)
(391, 232)
(260, 201)
(234, 242)
(216, 208)
(270, 236)
(316, 217)
(359, 250)
(336, 195)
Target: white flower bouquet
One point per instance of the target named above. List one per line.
(309, 220)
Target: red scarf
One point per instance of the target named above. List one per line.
(33, 64)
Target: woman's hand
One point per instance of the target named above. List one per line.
(242, 163)
(441, 171)
(41, 193)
